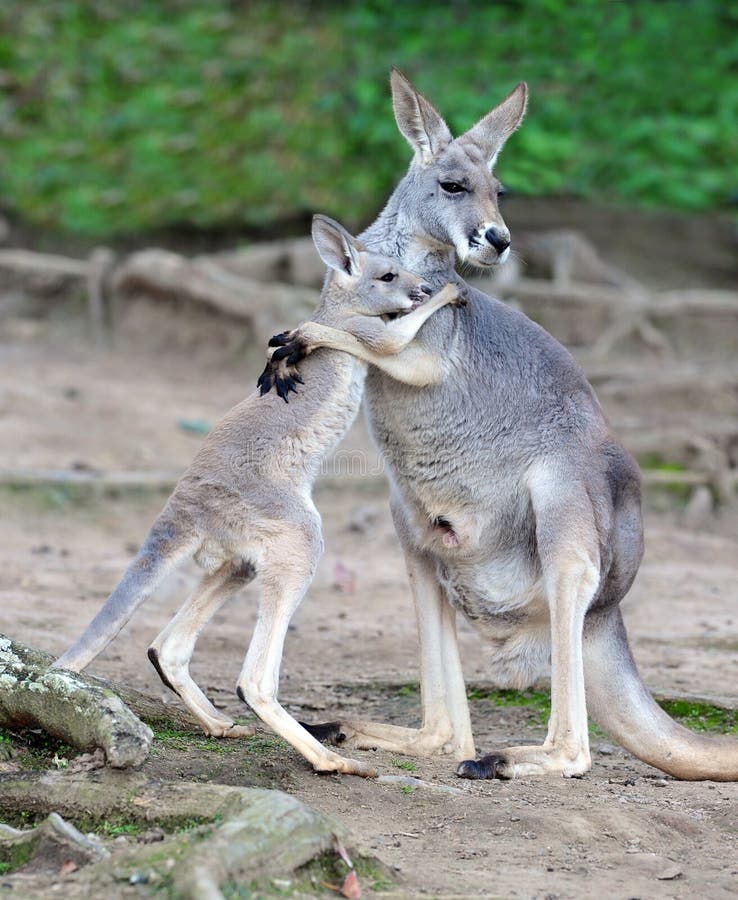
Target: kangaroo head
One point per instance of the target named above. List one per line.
(362, 282)
(452, 195)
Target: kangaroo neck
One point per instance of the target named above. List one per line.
(398, 234)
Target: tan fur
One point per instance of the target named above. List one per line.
(244, 506)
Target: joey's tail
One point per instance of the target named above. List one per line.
(619, 701)
(164, 549)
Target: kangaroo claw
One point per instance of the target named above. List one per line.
(279, 340)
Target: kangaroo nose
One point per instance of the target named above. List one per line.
(426, 289)
(499, 242)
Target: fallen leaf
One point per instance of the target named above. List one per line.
(350, 887)
(68, 866)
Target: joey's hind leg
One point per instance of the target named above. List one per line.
(446, 725)
(569, 553)
(172, 650)
(287, 568)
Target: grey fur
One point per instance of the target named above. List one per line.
(244, 506)
(539, 502)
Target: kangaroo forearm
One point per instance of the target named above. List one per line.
(411, 365)
(377, 337)
(415, 365)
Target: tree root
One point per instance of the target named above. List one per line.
(254, 835)
(68, 706)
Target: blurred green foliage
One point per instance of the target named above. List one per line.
(121, 117)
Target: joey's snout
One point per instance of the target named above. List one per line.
(420, 294)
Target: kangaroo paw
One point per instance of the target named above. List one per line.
(329, 732)
(494, 765)
(279, 340)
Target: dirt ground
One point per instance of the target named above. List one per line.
(623, 831)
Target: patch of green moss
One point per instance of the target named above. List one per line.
(261, 744)
(408, 765)
(14, 856)
(408, 690)
(324, 876)
(702, 716)
(657, 463)
(115, 829)
(175, 738)
(697, 716)
(537, 701)
(34, 750)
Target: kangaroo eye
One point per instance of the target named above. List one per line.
(452, 187)
(390, 276)
(501, 192)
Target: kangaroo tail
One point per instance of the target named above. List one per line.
(620, 703)
(164, 548)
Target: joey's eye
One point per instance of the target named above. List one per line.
(390, 276)
(501, 192)
(452, 187)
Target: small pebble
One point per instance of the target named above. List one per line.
(153, 836)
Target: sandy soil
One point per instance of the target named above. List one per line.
(622, 831)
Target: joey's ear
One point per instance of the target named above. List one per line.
(417, 119)
(491, 132)
(336, 247)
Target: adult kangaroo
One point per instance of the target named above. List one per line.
(513, 500)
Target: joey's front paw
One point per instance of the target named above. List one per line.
(462, 295)
(280, 371)
(279, 340)
(453, 294)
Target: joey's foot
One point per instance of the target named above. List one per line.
(280, 371)
(494, 765)
(238, 731)
(215, 728)
(328, 733)
(338, 765)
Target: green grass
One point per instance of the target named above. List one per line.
(696, 716)
(113, 829)
(408, 690)
(121, 118)
(656, 462)
(407, 765)
(702, 716)
(35, 751)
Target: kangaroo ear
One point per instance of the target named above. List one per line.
(336, 247)
(417, 119)
(491, 132)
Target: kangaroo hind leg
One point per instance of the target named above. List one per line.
(446, 725)
(287, 568)
(171, 651)
(568, 550)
